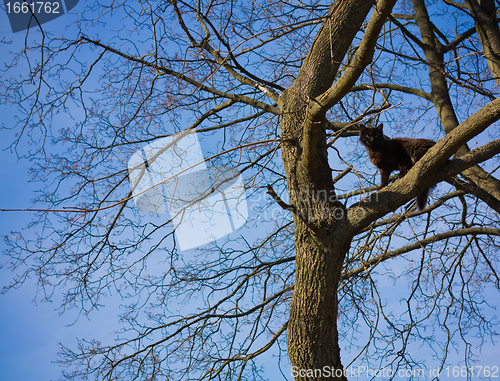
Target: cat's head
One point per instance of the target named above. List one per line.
(368, 136)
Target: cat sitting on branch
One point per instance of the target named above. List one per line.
(390, 155)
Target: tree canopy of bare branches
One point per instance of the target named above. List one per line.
(274, 89)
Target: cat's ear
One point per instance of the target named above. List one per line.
(362, 128)
(380, 127)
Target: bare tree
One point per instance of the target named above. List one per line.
(255, 80)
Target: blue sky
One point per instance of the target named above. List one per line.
(30, 332)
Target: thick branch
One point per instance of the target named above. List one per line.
(457, 40)
(391, 86)
(363, 57)
(330, 46)
(421, 175)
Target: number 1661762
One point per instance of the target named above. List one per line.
(35, 7)
(475, 371)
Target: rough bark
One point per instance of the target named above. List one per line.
(484, 13)
(322, 243)
(323, 227)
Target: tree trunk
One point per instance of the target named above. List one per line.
(322, 236)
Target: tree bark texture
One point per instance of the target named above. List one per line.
(322, 233)
(323, 227)
(484, 14)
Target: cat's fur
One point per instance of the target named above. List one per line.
(390, 155)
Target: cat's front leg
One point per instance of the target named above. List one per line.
(384, 178)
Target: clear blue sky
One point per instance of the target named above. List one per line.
(29, 332)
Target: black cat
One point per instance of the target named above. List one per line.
(390, 155)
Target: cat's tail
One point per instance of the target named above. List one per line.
(422, 199)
